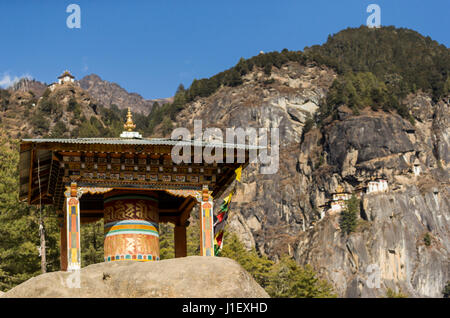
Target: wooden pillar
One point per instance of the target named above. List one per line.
(206, 224)
(72, 220)
(180, 241)
(181, 225)
(63, 247)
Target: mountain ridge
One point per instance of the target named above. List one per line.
(105, 92)
(109, 93)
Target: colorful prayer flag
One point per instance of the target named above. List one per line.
(218, 242)
(221, 219)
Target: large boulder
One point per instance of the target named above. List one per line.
(192, 276)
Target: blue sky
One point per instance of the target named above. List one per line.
(149, 47)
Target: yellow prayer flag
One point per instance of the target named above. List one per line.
(228, 198)
(238, 172)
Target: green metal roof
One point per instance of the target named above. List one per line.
(144, 141)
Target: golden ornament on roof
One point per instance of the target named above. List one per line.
(129, 125)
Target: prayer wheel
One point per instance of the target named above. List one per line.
(131, 227)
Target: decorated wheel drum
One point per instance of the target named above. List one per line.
(131, 228)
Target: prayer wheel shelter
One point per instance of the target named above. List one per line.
(130, 182)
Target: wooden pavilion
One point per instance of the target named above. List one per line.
(132, 183)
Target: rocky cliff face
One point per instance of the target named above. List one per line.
(108, 93)
(285, 213)
(388, 249)
(27, 85)
(269, 206)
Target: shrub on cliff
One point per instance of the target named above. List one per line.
(58, 130)
(446, 290)
(40, 123)
(392, 294)
(427, 239)
(4, 99)
(74, 107)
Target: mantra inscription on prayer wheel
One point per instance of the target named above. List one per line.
(131, 228)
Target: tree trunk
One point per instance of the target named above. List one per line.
(42, 250)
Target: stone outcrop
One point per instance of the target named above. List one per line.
(372, 137)
(187, 277)
(108, 93)
(29, 85)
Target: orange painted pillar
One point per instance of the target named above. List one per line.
(206, 224)
(72, 218)
(131, 227)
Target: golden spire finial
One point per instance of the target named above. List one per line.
(129, 125)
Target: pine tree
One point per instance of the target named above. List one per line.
(92, 238)
(289, 280)
(193, 238)
(19, 227)
(166, 241)
(258, 267)
(349, 216)
(283, 279)
(447, 86)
